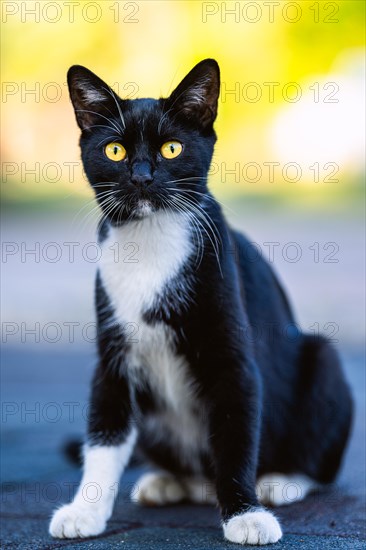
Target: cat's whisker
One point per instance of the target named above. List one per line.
(162, 118)
(103, 195)
(196, 227)
(183, 180)
(101, 220)
(172, 209)
(89, 217)
(108, 139)
(187, 192)
(200, 240)
(117, 105)
(210, 233)
(105, 184)
(91, 201)
(205, 215)
(119, 218)
(205, 194)
(118, 204)
(108, 212)
(193, 217)
(105, 126)
(112, 114)
(111, 123)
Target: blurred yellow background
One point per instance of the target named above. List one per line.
(291, 111)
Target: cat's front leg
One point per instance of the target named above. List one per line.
(92, 506)
(234, 421)
(111, 440)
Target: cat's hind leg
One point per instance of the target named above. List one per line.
(157, 489)
(278, 489)
(321, 418)
(163, 488)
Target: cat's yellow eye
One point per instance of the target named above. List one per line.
(115, 151)
(171, 149)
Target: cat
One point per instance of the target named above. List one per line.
(228, 413)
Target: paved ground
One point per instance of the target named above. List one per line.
(45, 386)
(39, 415)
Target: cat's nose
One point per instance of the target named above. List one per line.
(141, 173)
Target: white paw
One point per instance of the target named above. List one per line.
(72, 521)
(200, 490)
(279, 489)
(258, 527)
(157, 489)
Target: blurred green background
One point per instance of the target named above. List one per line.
(292, 90)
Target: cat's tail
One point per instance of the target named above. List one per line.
(73, 450)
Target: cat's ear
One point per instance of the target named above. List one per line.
(92, 98)
(197, 95)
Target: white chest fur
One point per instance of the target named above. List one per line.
(138, 260)
(161, 244)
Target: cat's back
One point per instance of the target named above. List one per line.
(264, 295)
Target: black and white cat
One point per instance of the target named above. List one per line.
(186, 368)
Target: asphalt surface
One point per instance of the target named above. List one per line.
(44, 383)
(41, 412)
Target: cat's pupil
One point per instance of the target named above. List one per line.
(172, 148)
(115, 149)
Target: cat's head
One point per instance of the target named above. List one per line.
(146, 155)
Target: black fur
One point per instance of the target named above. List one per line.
(275, 399)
